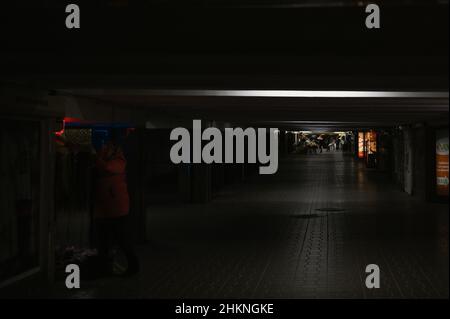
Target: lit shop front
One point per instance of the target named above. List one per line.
(368, 147)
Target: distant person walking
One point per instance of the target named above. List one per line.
(332, 144)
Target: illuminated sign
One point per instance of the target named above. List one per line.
(371, 143)
(361, 145)
(442, 163)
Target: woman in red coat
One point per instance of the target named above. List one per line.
(111, 192)
(111, 205)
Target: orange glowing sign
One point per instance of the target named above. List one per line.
(371, 143)
(361, 145)
(442, 163)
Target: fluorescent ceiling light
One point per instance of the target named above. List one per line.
(318, 94)
(266, 93)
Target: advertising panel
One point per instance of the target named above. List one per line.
(442, 162)
(361, 145)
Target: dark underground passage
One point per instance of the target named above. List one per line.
(340, 166)
(346, 194)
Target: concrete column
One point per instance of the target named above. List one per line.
(420, 162)
(408, 162)
(184, 182)
(47, 191)
(282, 143)
(218, 176)
(200, 183)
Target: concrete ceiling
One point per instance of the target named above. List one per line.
(277, 108)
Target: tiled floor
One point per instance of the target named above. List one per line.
(307, 232)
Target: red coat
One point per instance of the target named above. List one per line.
(111, 192)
